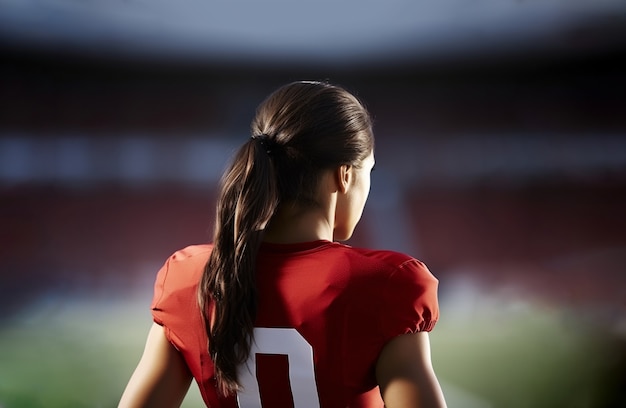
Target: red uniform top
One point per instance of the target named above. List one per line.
(325, 312)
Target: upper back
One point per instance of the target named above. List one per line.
(325, 311)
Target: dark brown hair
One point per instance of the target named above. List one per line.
(300, 130)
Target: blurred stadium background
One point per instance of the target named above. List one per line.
(501, 163)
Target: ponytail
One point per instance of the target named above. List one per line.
(247, 200)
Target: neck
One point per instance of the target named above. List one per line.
(292, 224)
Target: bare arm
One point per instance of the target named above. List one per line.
(161, 379)
(405, 373)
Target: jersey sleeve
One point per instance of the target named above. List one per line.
(159, 293)
(409, 298)
(175, 291)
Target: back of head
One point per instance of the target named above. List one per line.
(299, 131)
(312, 126)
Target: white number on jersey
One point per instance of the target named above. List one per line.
(301, 371)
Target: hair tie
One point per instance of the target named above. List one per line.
(265, 141)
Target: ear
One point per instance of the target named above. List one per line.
(343, 177)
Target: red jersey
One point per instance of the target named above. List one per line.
(325, 312)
